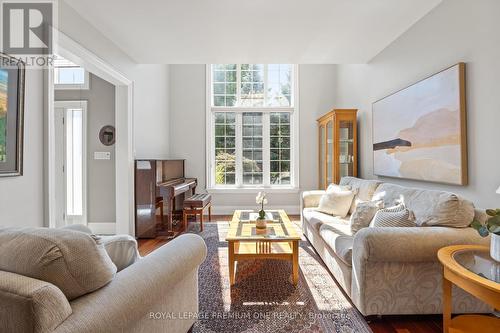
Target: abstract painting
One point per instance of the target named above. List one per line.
(4, 75)
(419, 132)
(11, 115)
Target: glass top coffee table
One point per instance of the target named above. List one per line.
(280, 240)
(471, 268)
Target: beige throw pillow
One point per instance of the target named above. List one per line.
(336, 201)
(397, 216)
(73, 261)
(364, 213)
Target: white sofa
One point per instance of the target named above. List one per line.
(157, 293)
(389, 271)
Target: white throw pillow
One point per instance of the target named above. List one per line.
(364, 213)
(336, 201)
(396, 216)
(335, 188)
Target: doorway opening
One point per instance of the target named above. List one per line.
(121, 161)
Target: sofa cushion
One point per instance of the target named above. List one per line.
(363, 188)
(122, 249)
(431, 208)
(75, 262)
(339, 239)
(317, 219)
(336, 201)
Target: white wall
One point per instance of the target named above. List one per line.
(150, 83)
(151, 111)
(21, 198)
(457, 30)
(188, 121)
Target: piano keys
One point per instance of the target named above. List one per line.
(160, 182)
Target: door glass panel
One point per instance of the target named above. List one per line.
(74, 162)
(329, 152)
(322, 155)
(346, 147)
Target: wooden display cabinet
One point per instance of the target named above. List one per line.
(338, 146)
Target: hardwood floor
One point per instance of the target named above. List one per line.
(385, 324)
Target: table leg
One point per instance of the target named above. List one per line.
(231, 261)
(295, 262)
(446, 305)
(170, 215)
(185, 220)
(201, 220)
(210, 212)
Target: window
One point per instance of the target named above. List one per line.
(68, 75)
(74, 162)
(251, 126)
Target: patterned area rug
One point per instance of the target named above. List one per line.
(263, 298)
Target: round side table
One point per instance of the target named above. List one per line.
(470, 268)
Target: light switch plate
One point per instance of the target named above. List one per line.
(102, 155)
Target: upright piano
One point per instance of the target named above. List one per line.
(159, 184)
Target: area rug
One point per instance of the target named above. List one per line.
(263, 298)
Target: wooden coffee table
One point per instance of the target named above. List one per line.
(280, 240)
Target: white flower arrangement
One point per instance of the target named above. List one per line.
(261, 200)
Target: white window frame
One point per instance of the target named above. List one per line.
(239, 187)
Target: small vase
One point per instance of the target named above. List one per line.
(261, 223)
(495, 247)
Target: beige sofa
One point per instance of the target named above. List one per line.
(389, 271)
(157, 293)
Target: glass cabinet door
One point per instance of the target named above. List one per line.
(329, 153)
(321, 156)
(346, 148)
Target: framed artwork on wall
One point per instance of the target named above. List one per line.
(420, 132)
(12, 73)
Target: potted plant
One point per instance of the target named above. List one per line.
(261, 200)
(491, 226)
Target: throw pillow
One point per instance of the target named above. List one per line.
(396, 216)
(364, 213)
(122, 249)
(73, 261)
(336, 201)
(335, 188)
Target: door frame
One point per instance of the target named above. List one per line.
(81, 104)
(124, 165)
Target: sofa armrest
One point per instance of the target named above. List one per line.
(311, 198)
(417, 244)
(139, 289)
(396, 270)
(30, 305)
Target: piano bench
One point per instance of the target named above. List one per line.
(195, 205)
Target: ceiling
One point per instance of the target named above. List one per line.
(252, 31)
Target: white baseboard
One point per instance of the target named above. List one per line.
(102, 228)
(229, 210)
